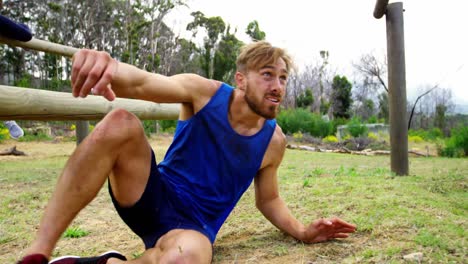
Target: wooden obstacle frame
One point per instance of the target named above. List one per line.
(33, 104)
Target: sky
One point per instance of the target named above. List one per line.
(436, 42)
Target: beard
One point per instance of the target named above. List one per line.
(256, 105)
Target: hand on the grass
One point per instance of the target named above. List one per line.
(325, 229)
(93, 71)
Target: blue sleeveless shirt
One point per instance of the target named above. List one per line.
(209, 166)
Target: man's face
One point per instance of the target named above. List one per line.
(265, 88)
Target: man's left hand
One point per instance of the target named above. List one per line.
(325, 229)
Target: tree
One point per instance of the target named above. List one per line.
(373, 70)
(341, 97)
(383, 106)
(443, 105)
(365, 109)
(324, 55)
(225, 57)
(305, 99)
(416, 102)
(214, 27)
(439, 118)
(253, 30)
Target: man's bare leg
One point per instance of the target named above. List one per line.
(177, 246)
(117, 147)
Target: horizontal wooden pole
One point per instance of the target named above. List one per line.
(33, 104)
(380, 8)
(42, 45)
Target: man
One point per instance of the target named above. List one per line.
(224, 139)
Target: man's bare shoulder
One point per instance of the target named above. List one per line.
(202, 89)
(276, 148)
(196, 83)
(278, 139)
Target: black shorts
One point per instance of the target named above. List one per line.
(156, 212)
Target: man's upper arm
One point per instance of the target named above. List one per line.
(181, 88)
(266, 181)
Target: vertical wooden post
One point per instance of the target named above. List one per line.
(397, 88)
(81, 131)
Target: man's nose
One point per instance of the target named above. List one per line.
(277, 85)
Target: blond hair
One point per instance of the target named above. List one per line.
(257, 55)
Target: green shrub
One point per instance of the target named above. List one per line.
(168, 125)
(302, 120)
(318, 127)
(41, 136)
(330, 139)
(298, 135)
(149, 126)
(294, 120)
(372, 136)
(337, 122)
(427, 135)
(356, 128)
(24, 81)
(415, 139)
(373, 120)
(457, 145)
(4, 133)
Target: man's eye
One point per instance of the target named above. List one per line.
(266, 74)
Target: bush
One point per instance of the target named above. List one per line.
(298, 135)
(427, 135)
(40, 136)
(372, 120)
(415, 139)
(319, 127)
(337, 122)
(330, 139)
(302, 120)
(372, 136)
(294, 120)
(24, 81)
(4, 133)
(356, 128)
(168, 125)
(457, 144)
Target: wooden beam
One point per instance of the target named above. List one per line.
(380, 8)
(33, 104)
(42, 45)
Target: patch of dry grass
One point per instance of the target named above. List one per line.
(424, 212)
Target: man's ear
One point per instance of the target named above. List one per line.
(241, 80)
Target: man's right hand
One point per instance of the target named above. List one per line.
(93, 70)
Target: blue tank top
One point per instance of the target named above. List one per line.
(209, 166)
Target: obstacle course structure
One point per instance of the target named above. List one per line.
(32, 104)
(396, 83)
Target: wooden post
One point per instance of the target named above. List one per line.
(397, 88)
(82, 128)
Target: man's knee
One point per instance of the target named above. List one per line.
(118, 125)
(184, 246)
(179, 254)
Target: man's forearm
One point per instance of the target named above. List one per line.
(280, 216)
(127, 80)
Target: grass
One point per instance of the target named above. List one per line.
(423, 212)
(75, 232)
